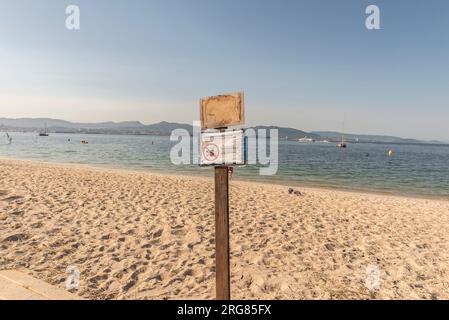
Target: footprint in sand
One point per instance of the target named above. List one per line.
(158, 233)
(16, 237)
(18, 213)
(178, 232)
(12, 198)
(132, 280)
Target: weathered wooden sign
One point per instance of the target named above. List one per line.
(222, 111)
(222, 148)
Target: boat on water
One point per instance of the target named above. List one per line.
(8, 137)
(342, 143)
(44, 133)
(306, 140)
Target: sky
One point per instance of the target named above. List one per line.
(304, 64)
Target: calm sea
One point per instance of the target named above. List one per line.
(413, 170)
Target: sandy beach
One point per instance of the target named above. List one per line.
(135, 235)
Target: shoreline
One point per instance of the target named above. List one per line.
(420, 143)
(294, 184)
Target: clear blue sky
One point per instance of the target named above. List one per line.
(303, 64)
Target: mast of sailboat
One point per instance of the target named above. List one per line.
(343, 130)
(9, 138)
(342, 144)
(45, 132)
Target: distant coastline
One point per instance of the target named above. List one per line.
(165, 128)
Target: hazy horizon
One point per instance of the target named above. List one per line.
(257, 124)
(302, 64)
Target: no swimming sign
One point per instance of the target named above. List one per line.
(223, 148)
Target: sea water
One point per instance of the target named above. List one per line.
(412, 170)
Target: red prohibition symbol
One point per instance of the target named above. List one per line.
(211, 152)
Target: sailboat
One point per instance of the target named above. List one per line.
(44, 133)
(9, 138)
(342, 144)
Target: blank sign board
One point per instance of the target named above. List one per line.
(222, 148)
(222, 111)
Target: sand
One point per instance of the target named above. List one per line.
(136, 235)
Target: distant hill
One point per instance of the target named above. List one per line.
(55, 125)
(34, 123)
(165, 128)
(351, 137)
(290, 133)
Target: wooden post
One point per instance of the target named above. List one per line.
(220, 112)
(222, 265)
